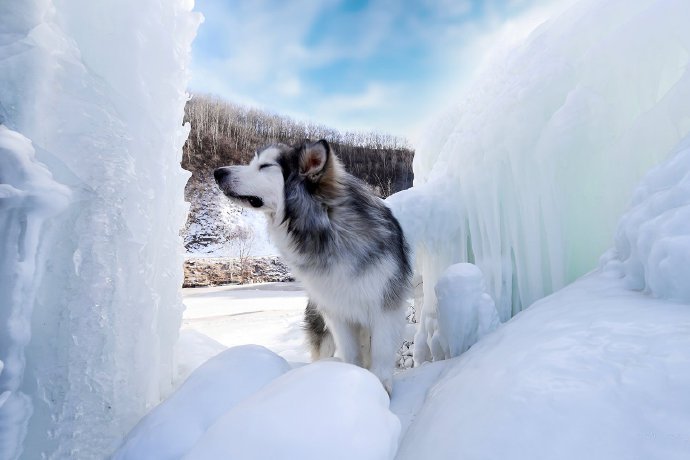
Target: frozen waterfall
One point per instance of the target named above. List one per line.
(92, 97)
(528, 177)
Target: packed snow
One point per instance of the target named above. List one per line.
(324, 410)
(594, 371)
(221, 383)
(227, 407)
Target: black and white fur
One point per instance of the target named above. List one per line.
(341, 241)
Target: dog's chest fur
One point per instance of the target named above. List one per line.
(351, 262)
(339, 287)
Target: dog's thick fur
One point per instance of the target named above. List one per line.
(340, 240)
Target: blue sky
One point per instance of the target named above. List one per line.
(366, 65)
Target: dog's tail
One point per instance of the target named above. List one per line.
(319, 338)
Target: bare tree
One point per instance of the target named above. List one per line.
(244, 251)
(226, 133)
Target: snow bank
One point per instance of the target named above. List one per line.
(172, 428)
(529, 176)
(652, 247)
(594, 371)
(323, 410)
(99, 89)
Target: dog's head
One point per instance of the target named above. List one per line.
(261, 184)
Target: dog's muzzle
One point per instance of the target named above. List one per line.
(221, 175)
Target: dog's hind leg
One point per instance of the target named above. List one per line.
(346, 338)
(386, 337)
(319, 337)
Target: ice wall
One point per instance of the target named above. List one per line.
(529, 175)
(99, 89)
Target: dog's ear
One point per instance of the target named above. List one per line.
(314, 159)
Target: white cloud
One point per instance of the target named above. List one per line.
(290, 86)
(266, 52)
(373, 96)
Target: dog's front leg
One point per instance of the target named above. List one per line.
(386, 337)
(346, 338)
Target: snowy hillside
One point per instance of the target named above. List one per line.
(218, 228)
(223, 133)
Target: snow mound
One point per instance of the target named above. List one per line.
(192, 350)
(466, 313)
(594, 371)
(652, 247)
(172, 428)
(323, 410)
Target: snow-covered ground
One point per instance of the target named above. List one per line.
(268, 314)
(594, 371)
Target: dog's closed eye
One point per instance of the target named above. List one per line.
(266, 165)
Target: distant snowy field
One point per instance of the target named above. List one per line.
(215, 318)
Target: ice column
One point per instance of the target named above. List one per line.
(99, 89)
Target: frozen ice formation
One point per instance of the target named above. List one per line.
(28, 198)
(528, 177)
(90, 286)
(652, 247)
(466, 312)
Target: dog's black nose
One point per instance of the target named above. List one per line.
(220, 173)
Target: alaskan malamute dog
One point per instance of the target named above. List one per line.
(340, 240)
